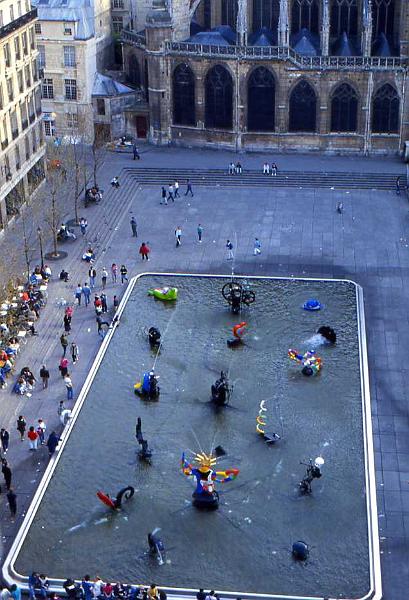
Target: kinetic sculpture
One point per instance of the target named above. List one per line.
(328, 334)
(116, 504)
(148, 386)
(205, 495)
(166, 293)
(313, 472)
(238, 331)
(311, 364)
(221, 390)
(145, 453)
(154, 337)
(261, 419)
(236, 295)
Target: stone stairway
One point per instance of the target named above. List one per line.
(251, 178)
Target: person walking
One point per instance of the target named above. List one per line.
(21, 427)
(5, 469)
(41, 427)
(64, 343)
(257, 247)
(74, 353)
(199, 233)
(104, 277)
(63, 366)
(144, 251)
(4, 438)
(170, 193)
(164, 199)
(68, 385)
(188, 188)
(229, 247)
(397, 184)
(100, 323)
(67, 323)
(273, 170)
(134, 227)
(12, 500)
(116, 303)
(176, 186)
(178, 234)
(86, 290)
(15, 592)
(83, 225)
(78, 293)
(92, 273)
(45, 376)
(32, 438)
(52, 443)
(104, 304)
(135, 152)
(114, 272)
(124, 273)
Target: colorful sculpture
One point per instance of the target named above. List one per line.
(205, 495)
(311, 364)
(165, 293)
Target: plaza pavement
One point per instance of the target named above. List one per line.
(301, 235)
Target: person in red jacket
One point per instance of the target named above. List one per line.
(32, 438)
(144, 251)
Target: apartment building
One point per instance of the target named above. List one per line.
(21, 135)
(74, 42)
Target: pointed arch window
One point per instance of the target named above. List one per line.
(344, 109)
(305, 15)
(261, 100)
(303, 108)
(383, 16)
(219, 98)
(344, 17)
(134, 71)
(229, 13)
(266, 14)
(385, 110)
(184, 112)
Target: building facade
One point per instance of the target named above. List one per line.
(328, 75)
(74, 41)
(21, 136)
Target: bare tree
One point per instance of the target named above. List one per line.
(56, 190)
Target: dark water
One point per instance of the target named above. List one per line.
(244, 546)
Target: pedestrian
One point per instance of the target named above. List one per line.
(74, 353)
(64, 343)
(87, 588)
(115, 182)
(104, 277)
(4, 438)
(15, 592)
(92, 275)
(12, 500)
(176, 186)
(211, 595)
(144, 251)
(4, 593)
(114, 272)
(257, 247)
(78, 293)
(97, 305)
(124, 273)
(83, 225)
(104, 304)
(188, 188)
(21, 427)
(86, 290)
(63, 366)
(239, 169)
(266, 168)
(273, 169)
(232, 168)
(134, 227)
(397, 183)
(164, 196)
(135, 152)
(32, 438)
(116, 302)
(199, 233)
(5, 469)
(170, 193)
(229, 247)
(153, 592)
(52, 443)
(201, 595)
(41, 427)
(178, 234)
(100, 324)
(45, 376)
(69, 311)
(67, 323)
(68, 385)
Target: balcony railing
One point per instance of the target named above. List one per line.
(17, 23)
(4, 144)
(280, 53)
(14, 134)
(138, 39)
(24, 124)
(32, 117)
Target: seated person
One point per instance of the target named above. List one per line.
(64, 276)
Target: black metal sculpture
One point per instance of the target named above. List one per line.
(221, 390)
(145, 453)
(237, 294)
(313, 472)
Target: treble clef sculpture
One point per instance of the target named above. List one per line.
(126, 492)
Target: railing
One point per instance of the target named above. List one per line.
(17, 23)
(4, 144)
(138, 39)
(285, 53)
(14, 134)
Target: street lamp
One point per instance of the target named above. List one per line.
(40, 239)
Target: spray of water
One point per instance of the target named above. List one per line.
(162, 338)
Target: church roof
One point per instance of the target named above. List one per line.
(381, 46)
(227, 32)
(344, 46)
(106, 86)
(211, 38)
